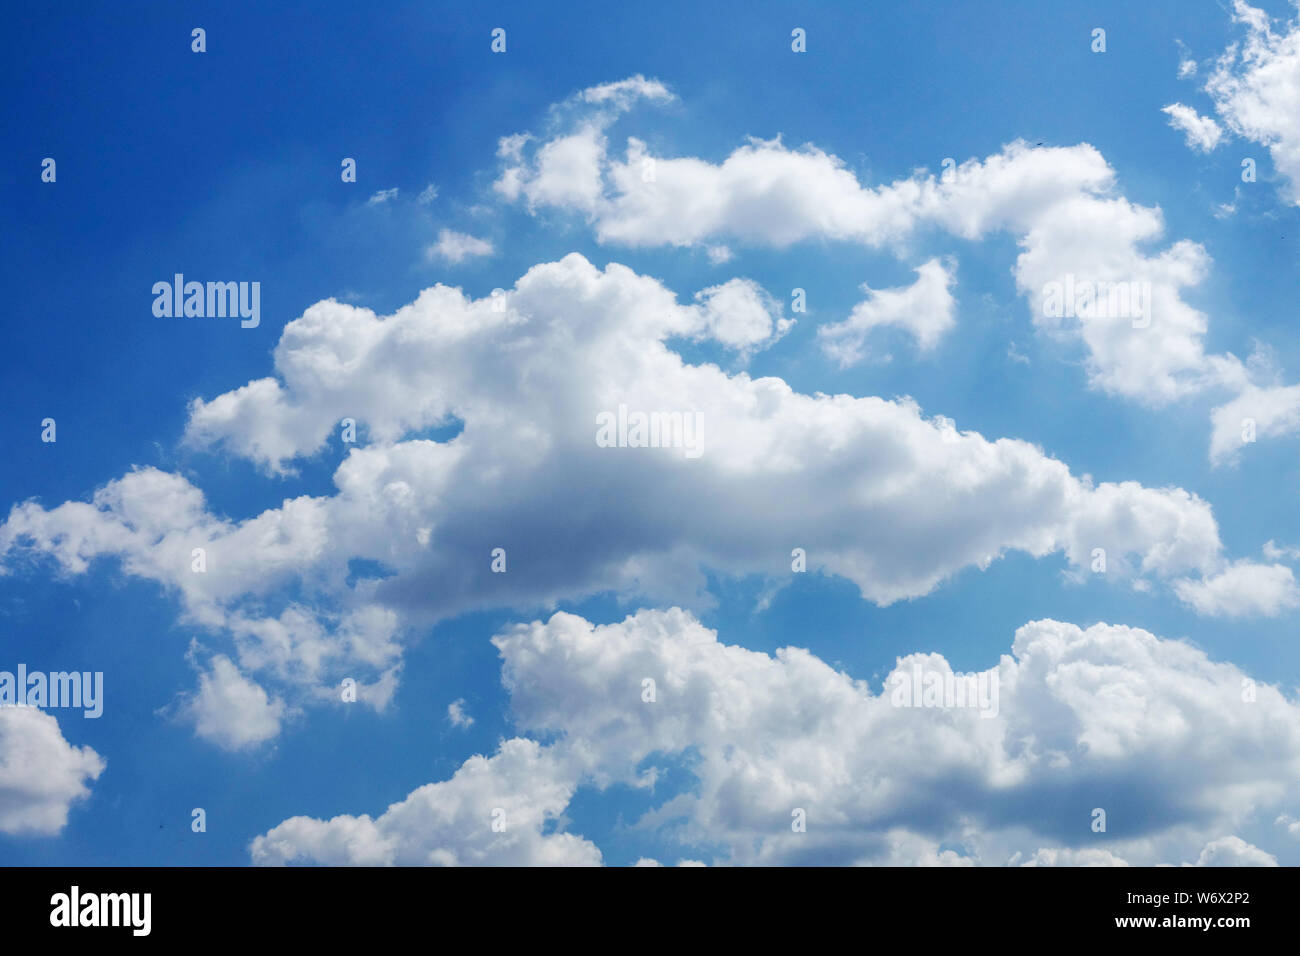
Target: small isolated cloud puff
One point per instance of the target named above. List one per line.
(456, 247)
(1187, 66)
(740, 315)
(1273, 552)
(1243, 589)
(230, 710)
(456, 714)
(1203, 134)
(1258, 412)
(924, 310)
(623, 93)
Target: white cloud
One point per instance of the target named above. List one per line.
(457, 247)
(924, 310)
(623, 93)
(1058, 856)
(381, 197)
(1258, 412)
(1187, 66)
(339, 361)
(1150, 729)
(923, 502)
(567, 173)
(41, 774)
(1203, 133)
(491, 813)
(740, 315)
(1060, 202)
(456, 714)
(1243, 588)
(1234, 851)
(1110, 710)
(230, 710)
(427, 195)
(1256, 90)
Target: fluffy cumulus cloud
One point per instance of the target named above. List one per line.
(1243, 588)
(873, 490)
(1105, 717)
(1124, 301)
(1258, 412)
(1255, 87)
(710, 470)
(574, 341)
(740, 315)
(229, 577)
(41, 774)
(491, 813)
(567, 169)
(1234, 851)
(231, 710)
(1058, 856)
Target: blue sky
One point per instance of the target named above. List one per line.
(225, 165)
